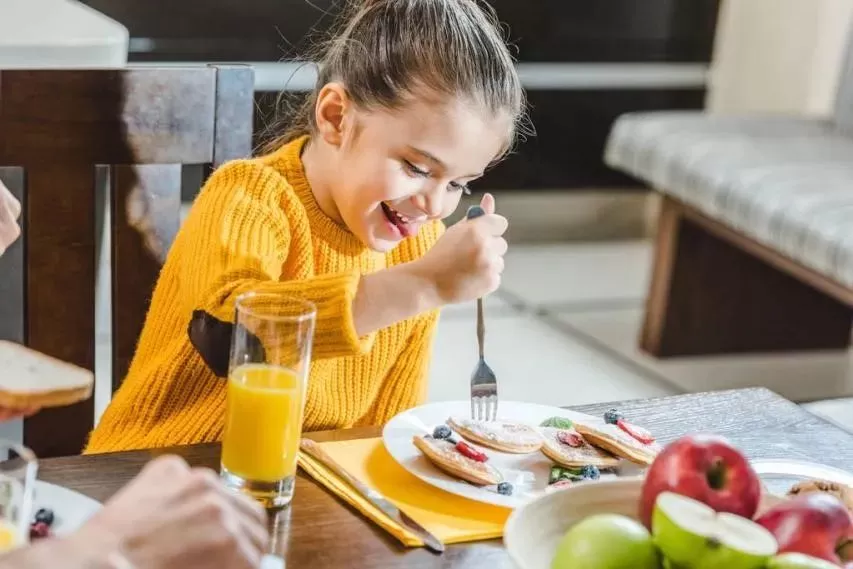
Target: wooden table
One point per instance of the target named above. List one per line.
(320, 531)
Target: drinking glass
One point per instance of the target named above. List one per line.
(18, 468)
(267, 380)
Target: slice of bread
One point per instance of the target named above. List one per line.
(32, 379)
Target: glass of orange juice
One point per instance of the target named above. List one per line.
(267, 377)
(18, 468)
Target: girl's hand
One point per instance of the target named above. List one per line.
(10, 209)
(467, 262)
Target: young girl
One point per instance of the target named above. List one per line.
(414, 100)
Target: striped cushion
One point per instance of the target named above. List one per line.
(786, 182)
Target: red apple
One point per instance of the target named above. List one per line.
(815, 524)
(706, 468)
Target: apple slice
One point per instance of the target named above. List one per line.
(693, 536)
(799, 561)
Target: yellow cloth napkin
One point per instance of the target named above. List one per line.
(450, 518)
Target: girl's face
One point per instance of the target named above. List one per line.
(395, 170)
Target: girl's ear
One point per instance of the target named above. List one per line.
(330, 110)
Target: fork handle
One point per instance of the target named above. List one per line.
(481, 327)
(474, 212)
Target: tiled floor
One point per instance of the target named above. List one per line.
(563, 329)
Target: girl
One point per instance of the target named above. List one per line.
(414, 100)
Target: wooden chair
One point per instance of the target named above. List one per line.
(56, 126)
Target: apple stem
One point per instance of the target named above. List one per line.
(716, 475)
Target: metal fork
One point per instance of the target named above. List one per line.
(484, 384)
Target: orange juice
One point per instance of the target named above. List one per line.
(263, 422)
(9, 536)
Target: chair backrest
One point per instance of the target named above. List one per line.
(56, 126)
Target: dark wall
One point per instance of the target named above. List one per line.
(571, 123)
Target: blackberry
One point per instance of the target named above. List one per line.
(442, 432)
(591, 472)
(45, 516)
(612, 416)
(505, 488)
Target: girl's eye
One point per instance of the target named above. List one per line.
(415, 170)
(457, 187)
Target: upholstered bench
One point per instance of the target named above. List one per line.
(755, 239)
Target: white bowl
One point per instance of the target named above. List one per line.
(534, 530)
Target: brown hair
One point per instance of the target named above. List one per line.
(384, 50)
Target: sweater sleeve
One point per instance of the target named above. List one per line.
(239, 239)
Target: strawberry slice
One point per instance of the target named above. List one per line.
(467, 450)
(638, 433)
(573, 440)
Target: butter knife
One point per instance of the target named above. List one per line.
(315, 451)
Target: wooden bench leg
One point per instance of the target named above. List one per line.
(709, 296)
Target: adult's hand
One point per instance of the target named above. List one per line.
(10, 210)
(174, 517)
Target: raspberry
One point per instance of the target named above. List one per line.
(39, 530)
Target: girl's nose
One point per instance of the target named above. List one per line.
(429, 202)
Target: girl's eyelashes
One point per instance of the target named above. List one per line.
(421, 173)
(457, 187)
(415, 170)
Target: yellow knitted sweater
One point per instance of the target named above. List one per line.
(256, 225)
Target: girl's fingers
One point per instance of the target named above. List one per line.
(488, 204)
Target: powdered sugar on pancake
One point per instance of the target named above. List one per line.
(514, 434)
(448, 453)
(614, 433)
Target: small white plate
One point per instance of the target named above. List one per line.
(527, 472)
(71, 509)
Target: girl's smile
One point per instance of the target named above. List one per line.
(403, 224)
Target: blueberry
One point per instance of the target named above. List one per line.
(442, 432)
(505, 488)
(44, 516)
(612, 416)
(591, 472)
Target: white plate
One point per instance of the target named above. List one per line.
(71, 509)
(528, 473)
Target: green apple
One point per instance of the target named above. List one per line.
(799, 561)
(691, 535)
(607, 541)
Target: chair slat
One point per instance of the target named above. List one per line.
(146, 202)
(60, 291)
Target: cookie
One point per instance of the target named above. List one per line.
(444, 455)
(615, 440)
(515, 438)
(840, 491)
(559, 447)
